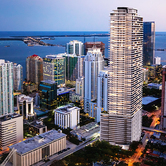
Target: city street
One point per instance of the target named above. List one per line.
(136, 156)
(156, 116)
(69, 152)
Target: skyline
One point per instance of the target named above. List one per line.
(39, 15)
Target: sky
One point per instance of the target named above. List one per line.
(73, 15)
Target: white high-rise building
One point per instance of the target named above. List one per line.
(67, 116)
(6, 87)
(102, 92)
(157, 60)
(25, 106)
(17, 77)
(94, 62)
(11, 127)
(80, 86)
(123, 121)
(75, 47)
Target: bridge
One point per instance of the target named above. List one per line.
(154, 130)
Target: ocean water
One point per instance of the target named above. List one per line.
(19, 51)
(160, 42)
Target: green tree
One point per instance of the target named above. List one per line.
(136, 164)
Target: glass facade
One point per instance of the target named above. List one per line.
(17, 77)
(62, 99)
(34, 69)
(54, 69)
(148, 43)
(6, 87)
(48, 94)
(70, 49)
(71, 68)
(75, 47)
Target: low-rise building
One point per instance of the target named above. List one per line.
(148, 101)
(155, 86)
(39, 147)
(74, 97)
(63, 96)
(37, 127)
(11, 129)
(25, 106)
(67, 116)
(30, 87)
(87, 131)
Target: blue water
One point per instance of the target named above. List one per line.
(19, 51)
(160, 42)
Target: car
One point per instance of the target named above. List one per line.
(68, 148)
(60, 152)
(64, 150)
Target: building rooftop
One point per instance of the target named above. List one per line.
(48, 81)
(154, 84)
(58, 56)
(145, 69)
(62, 91)
(2, 62)
(87, 129)
(36, 57)
(148, 100)
(37, 141)
(9, 117)
(164, 66)
(66, 109)
(37, 124)
(40, 112)
(16, 65)
(23, 98)
(93, 43)
(75, 41)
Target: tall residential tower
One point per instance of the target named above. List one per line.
(163, 100)
(94, 62)
(54, 68)
(6, 88)
(34, 69)
(123, 121)
(17, 77)
(75, 47)
(148, 43)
